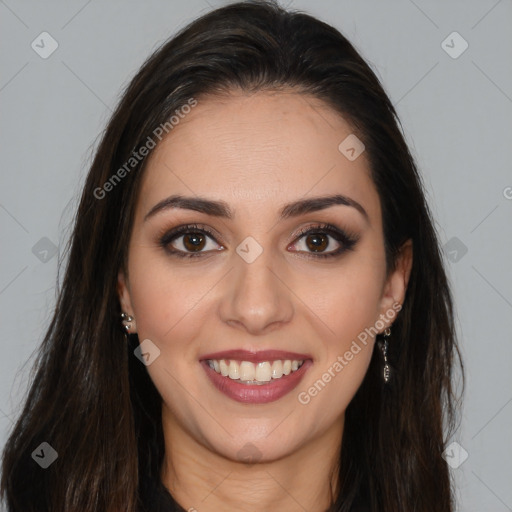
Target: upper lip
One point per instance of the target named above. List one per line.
(256, 356)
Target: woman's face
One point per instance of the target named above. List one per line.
(256, 285)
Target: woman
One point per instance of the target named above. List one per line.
(255, 224)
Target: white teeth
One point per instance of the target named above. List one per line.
(247, 371)
(234, 370)
(254, 373)
(263, 373)
(277, 369)
(224, 369)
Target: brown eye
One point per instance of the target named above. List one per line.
(194, 242)
(189, 241)
(317, 242)
(324, 241)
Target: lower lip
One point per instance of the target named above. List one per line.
(257, 393)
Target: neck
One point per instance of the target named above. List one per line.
(201, 479)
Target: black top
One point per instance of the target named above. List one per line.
(156, 498)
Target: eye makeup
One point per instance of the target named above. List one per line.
(197, 232)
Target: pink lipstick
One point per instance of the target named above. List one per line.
(255, 377)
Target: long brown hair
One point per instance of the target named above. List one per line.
(92, 400)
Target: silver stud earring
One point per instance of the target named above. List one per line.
(386, 371)
(127, 320)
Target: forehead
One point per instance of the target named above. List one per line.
(248, 148)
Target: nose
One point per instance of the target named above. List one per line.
(256, 298)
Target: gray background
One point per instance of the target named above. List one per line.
(455, 112)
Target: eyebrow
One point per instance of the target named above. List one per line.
(222, 209)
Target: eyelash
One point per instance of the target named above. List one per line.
(346, 239)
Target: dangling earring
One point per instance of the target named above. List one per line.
(127, 322)
(386, 371)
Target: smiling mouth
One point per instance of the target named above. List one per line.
(249, 373)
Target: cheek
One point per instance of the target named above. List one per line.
(348, 306)
(348, 303)
(348, 300)
(169, 305)
(164, 300)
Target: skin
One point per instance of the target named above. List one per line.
(257, 152)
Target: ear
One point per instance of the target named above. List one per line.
(123, 292)
(396, 284)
